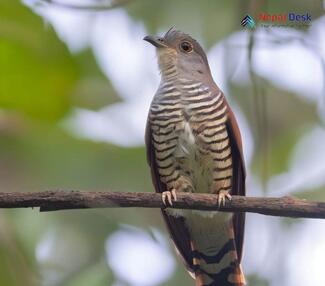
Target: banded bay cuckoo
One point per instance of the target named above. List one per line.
(194, 145)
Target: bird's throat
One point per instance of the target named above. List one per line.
(167, 63)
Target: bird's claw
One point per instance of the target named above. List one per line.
(222, 196)
(170, 196)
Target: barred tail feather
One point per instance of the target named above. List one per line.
(229, 276)
(214, 253)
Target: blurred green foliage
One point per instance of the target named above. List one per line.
(41, 82)
(38, 73)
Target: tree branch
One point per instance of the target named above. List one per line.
(59, 200)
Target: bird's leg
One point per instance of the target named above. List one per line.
(222, 196)
(170, 196)
(182, 184)
(222, 190)
(222, 183)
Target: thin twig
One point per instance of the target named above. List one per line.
(59, 200)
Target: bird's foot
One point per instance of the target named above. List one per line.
(222, 196)
(169, 196)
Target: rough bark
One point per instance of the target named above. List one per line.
(58, 200)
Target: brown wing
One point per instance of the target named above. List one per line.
(176, 226)
(238, 178)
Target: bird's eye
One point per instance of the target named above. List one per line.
(186, 47)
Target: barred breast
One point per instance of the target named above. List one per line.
(166, 119)
(206, 111)
(190, 137)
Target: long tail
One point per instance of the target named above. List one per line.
(214, 253)
(230, 276)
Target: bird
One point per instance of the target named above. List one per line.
(193, 145)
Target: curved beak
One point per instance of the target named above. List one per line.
(156, 41)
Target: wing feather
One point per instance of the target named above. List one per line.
(176, 225)
(238, 178)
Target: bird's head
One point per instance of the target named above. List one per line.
(179, 52)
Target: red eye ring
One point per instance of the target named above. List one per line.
(186, 47)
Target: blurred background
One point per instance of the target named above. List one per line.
(76, 81)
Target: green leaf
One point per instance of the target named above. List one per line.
(37, 72)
